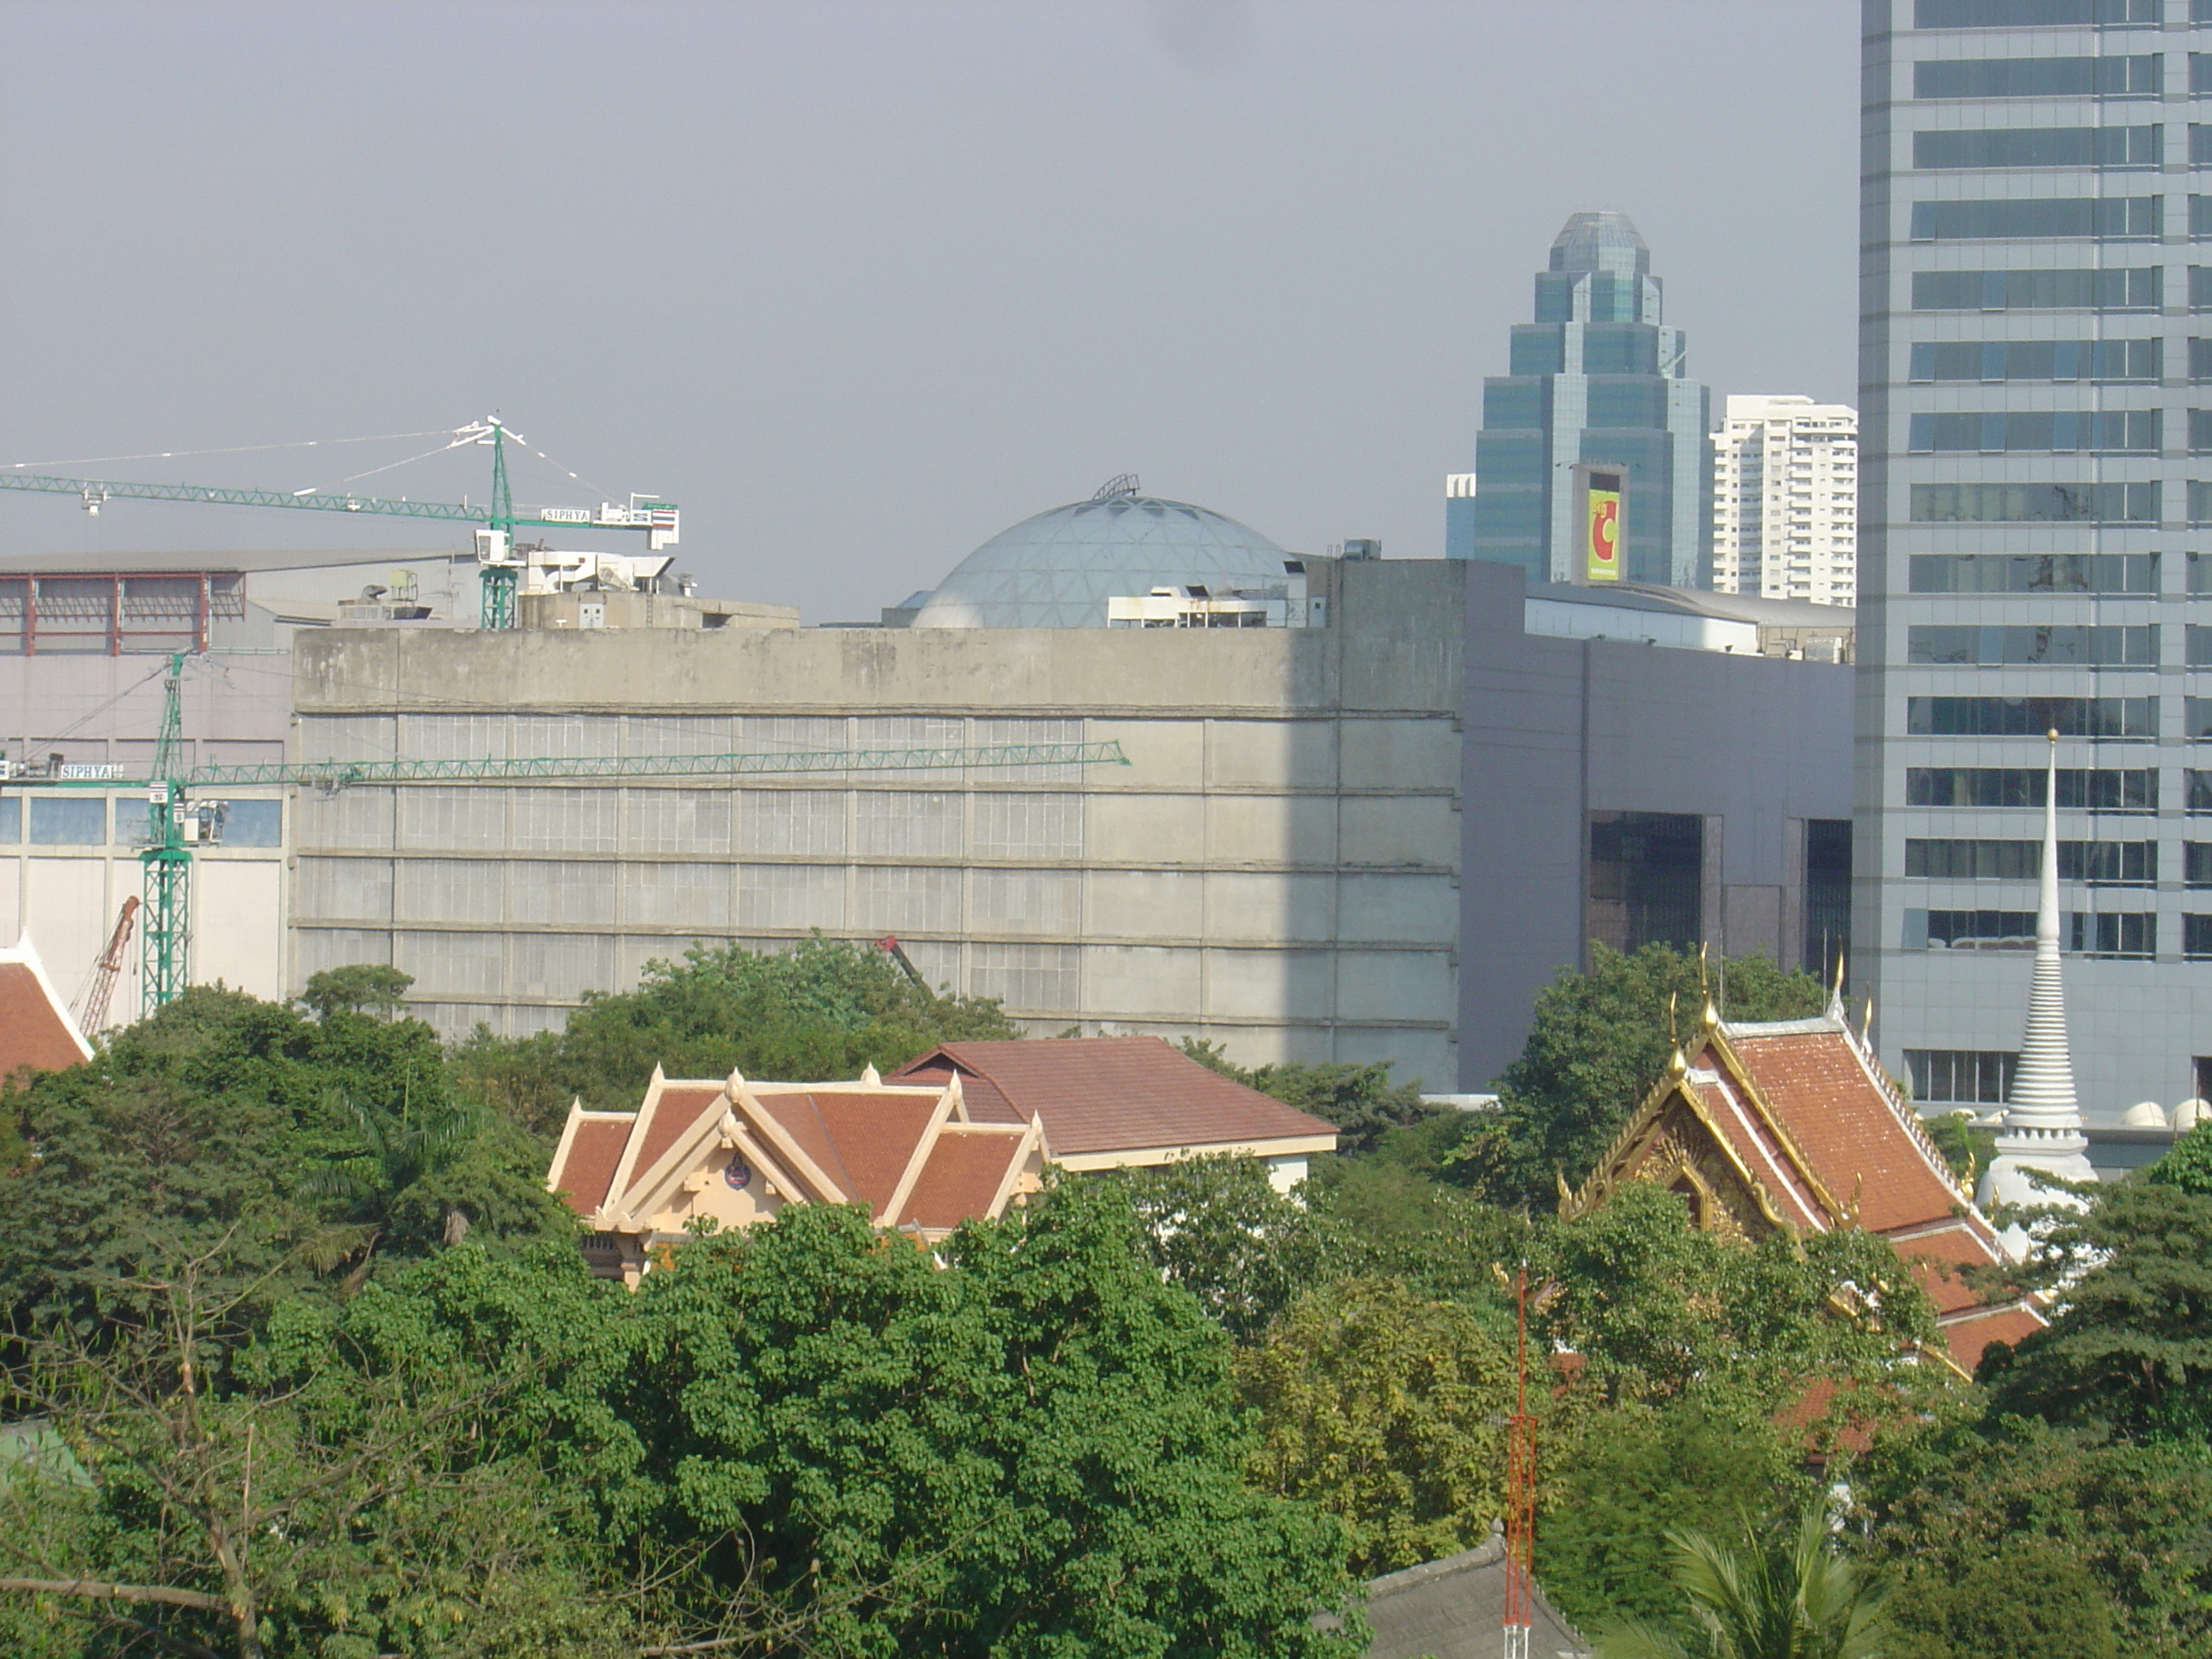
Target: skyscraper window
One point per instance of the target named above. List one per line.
(1597, 380)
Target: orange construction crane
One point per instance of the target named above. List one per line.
(91, 1010)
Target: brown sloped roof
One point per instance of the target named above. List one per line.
(35, 1029)
(1970, 1335)
(1849, 1128)
(1870, 1152)
(679, 1109)
(866, 1137)
(594, 1149)
(966, 1167)
(1764, 1157)
(1111, 1094)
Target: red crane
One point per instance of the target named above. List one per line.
(91, 1010)
(1520, 1490)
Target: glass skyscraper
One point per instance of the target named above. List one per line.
(2036, 546)
(1596, 386)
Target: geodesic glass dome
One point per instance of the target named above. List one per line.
(1059, 568)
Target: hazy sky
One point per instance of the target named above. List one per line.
(860, 284)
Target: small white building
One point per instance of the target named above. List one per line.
(1785, 500)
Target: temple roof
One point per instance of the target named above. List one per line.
(1793, 1124)
(909, 1153)
(37, 1029)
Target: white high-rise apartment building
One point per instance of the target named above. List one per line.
(1785, 500)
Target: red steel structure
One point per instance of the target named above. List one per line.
(1520, 1489)
(110, 612)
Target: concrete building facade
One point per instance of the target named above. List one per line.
(1625, 790)
(1275, 868)
(2031, 554)
(1785, 499)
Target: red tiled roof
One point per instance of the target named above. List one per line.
(1755, 1144)
(1110, 1094)
(679, 1107)
(1968, 1337)
(593, 1151)
(868, 1136)
(1848, 1129)
(965, 1171)
(35, 1031)
(1859, 1142)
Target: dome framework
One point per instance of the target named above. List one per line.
(1059, 568)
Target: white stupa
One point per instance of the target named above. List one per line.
(2042, 1129)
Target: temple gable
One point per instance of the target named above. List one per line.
(736, 1153)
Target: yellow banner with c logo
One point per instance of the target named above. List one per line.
(1602, 540)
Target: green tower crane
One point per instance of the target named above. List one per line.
(499, 565)
(175, 826)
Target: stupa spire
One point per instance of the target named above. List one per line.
(2043, 1087)
(2042, 1127)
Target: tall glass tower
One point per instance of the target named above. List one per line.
(1597, 406)
(2034, 553)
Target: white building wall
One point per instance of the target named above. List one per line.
(1785, 500)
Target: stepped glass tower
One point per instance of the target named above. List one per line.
(1596, 414)
(2035, 539)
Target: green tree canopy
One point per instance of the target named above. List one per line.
(1614, 1482)
(2015, 1491)
(1384, 1409)
(2130, 1346)
(1217, 1227)
(1598, 1045)
(1757, 1596)
(195, 1133)
(1656, 1307)
(1035, 1452)
(1361, 1101)
(820, 1011)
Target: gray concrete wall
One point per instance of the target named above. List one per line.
(1559, 728)
(1274, 869)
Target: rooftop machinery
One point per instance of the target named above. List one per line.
(174, 826)
(500, 562)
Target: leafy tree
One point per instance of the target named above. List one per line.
(243, 1504)
(2130, 1346)
(1598, 1045)
(2187, 1163)
(1615, 1481)
(418, 1177)
(822, 1010)
(2137, 1519)
(1383, 1409)
(1964, 1148)
(1387, 1217)
(1359, 1100)
(1795, 1597)
(363, 988)
(1033, 1453)
(199, 1128)
(1217, 1227)
(1653, 1305)
(2034, 1600)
